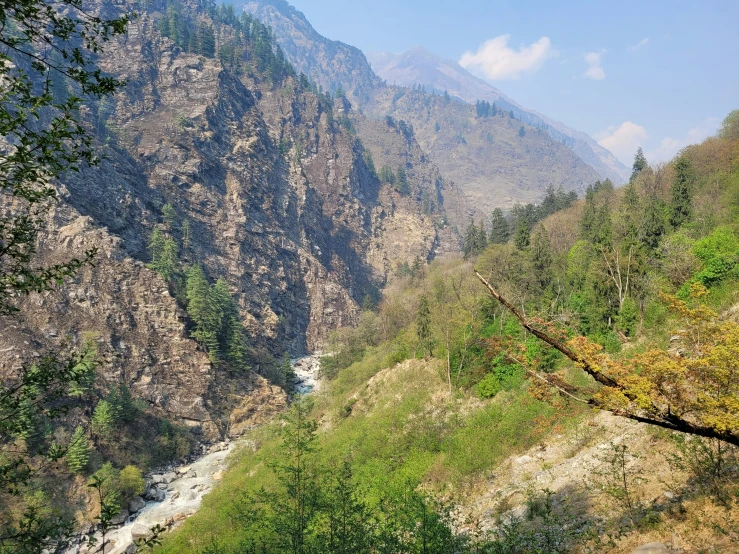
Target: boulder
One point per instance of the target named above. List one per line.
(169, 477)
(151, 493)
(130, 549)
(651, 548)
(121, 518)
(160, 495)
(218, 475)
(136, 504)
(139, 530)
(157, 478)
(191, 474)
(183, 470)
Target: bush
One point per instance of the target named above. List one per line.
(130, 483)
(489, 386)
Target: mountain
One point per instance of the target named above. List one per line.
(254, 178)
(329, 63)
(489, 173)
(420, 66)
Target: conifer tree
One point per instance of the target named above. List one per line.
(681, 194)
(522, 132)
(522, 237)
(499, 233)
(170, 217)
(103, 420)
(640, 163)
(78, 452)
(167, 262)
(402, 182)
(588, 219)
(541, 256)
(156, 245)
(236, 351)
(423, 326)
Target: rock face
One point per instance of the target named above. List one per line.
(280, 203)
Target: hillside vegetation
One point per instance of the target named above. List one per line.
(439, 384)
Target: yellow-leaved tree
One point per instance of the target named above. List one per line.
(692, 389)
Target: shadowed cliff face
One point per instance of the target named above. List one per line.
(280, 203)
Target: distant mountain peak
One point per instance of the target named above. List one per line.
(417, 65)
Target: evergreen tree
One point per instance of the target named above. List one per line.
(206, 41)
(78, 452)
(186, 232)
(156, 245)
(167, 262)
(522, 236)
(629, 212)
(681, 202)
(522, 132)
(103, 420)
(640, 163)
(387, 175)
(475, 240)
(200, 308)
(423, 326)
(541, 256)
(236, 351)
(654, 223)
(402, 183)
(499, 233)
(588, 220)
(287, 373)
(170, 217)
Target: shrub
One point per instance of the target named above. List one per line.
(130, 483)
(489, 386)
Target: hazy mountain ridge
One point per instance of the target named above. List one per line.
(420, 66)
(335, 65)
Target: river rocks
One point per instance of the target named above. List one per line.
(130, 549)
(183, 470)
(121, 518)
(169, 477)
(157, 478)
(218, 475)
(651, 548)
(191, 474)
(139, 530)
(136, 504)
(160, 496)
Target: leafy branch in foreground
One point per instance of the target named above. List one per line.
(696, 392)
(47, 68)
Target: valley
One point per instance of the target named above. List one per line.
(260, 295)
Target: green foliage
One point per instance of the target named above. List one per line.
(130, 483)
(387, 175)
(640, 164)
(401, 183)
(499, 232)
(718, 253)
(522, 132)
(681, 193)
(78, 451)
(475, 240)
(423, 327)
(628, 317)
(489, 386)
(104, 420)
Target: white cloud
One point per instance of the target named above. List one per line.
(641, 44)
(669, 146)
(595, 70)
(623, 140)
(495, 60)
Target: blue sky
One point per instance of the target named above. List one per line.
(660, 74)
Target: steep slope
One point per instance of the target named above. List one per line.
(487, 157)
(278, 201)
(419, 66)
(335, 65)
(329, 63)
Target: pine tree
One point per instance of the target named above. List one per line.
(499, 233)
(640, 163)
(78, 452)
(423, 326)
(522, 236)
(170, 217)
(103, 420)
(167, 262)
(654, 223)
(236, 351)
(287, 373)
(681, 202)
(206, 41)
(589, 215)
(522, 132)
(156, 245)
(541, 256)
(402, 182)
(628, 212)
(475, 240)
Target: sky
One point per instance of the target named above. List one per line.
(658, 74)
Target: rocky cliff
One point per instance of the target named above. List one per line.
(278, 199)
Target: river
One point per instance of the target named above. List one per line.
(184, 493)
